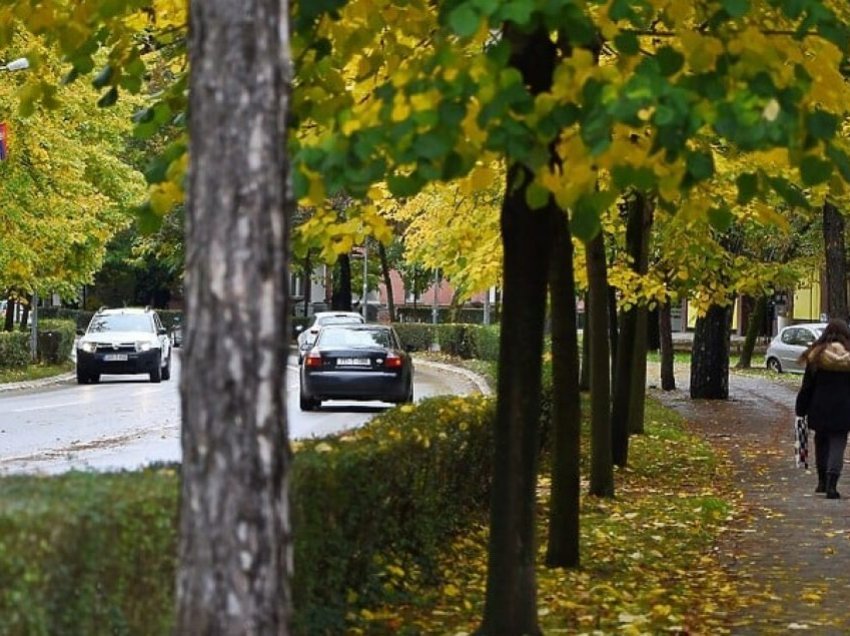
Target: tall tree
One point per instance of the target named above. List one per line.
(836, 261)
(710, 357)
(563, 544)
(235, 538)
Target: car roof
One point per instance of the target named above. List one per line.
(365, 327)
(124, 310)
(810, 325)
(325, 314)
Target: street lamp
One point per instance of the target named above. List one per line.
(20, 64)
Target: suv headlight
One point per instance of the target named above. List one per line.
(88, 347)
(143, 346)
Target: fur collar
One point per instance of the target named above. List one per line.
(832, 357)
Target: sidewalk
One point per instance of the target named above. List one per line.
(790, 550)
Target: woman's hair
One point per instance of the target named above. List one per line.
(836, 331)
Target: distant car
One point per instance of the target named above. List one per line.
(785, 349)
(124, 341)
(356, 362)
(307, 337)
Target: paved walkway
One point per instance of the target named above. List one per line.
(791, 549)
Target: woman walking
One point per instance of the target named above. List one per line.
(824, 398)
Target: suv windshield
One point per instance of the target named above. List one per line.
(121, 322)
(339, 320)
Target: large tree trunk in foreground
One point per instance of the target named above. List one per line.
(235, 557)
(601, 462)
(836, 262)
(563, 547)
(753, 330)
(710, 358)
(511, 600)
(665, 334)
(388, 282)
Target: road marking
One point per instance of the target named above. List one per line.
(46, 406)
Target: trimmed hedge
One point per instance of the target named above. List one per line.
(14, 349)
(55, 340)
(82, 317)
(462, 340)
(95, 554)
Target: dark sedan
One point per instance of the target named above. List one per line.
(356, 362)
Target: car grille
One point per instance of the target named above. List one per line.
(124, 347)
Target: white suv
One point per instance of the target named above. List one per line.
(123, 341)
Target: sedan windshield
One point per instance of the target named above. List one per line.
(339, 320)
(120, 322)
(354, 338)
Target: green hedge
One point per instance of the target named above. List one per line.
(462, 340)
(94, 554)
(14, 349)
(55, 340)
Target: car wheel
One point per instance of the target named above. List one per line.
(156, 375)
(773, 364)
(409, 398)
(94, 378)
(82, 378)
(307, 403)
(166, 371)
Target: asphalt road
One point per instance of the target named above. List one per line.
(126, 422)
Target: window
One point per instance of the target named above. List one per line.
(789, 336)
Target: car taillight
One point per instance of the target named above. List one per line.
(393, 361)
(313, 359)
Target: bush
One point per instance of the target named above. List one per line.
(55, 340)
(80, 317)
(418, 336)
(14, 349)
(95, 554)
(462, 340)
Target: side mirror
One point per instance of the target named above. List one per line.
(162, 331)
(81, 332)
(299, 328)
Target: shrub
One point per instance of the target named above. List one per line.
(55, 340)
(87, 553)
(80, 317)
(418, 336)
(14, 349)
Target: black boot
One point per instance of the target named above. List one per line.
(831, 485)
(821, 480)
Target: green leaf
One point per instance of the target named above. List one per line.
(102, 79)
(748, 185)
(108, 98)
(627, 43)
(736, 8)
(670, 61)
(721, 217)
(700, 165)
(585, 222)
(788, 191)
(815, 170)
(821, 124)
(464, 21)
(841, 161)
(536, 196)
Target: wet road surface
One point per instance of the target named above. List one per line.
(126, 421)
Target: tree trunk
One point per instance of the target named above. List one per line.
(613, 329)
(637, 398)
(388, 283)
(601, 463)
(25, 314)
(341, 299)
(584, 377)
(622, 382)
(665, 332)
(510, 606)
(710, 358)
(753, 330)
(563, 546)
(836, 262)
(235, 557)
(9, 324)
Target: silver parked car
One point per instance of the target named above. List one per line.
(785, 349)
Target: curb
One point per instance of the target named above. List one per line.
(36, 384)
(479, 382)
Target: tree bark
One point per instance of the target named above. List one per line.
(9, 323)
(637, 397)
(836, 262)
(665, 332)
(388, 283)
(341, 299)
(563, 545)
(235, 556)
(710, 358)
(753, 329)
(613, 329)
(510, 606)
(601, 451)
(25, 314)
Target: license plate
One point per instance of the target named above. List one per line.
(115, 357)
(353, 362)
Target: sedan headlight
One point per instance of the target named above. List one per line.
(143, 346)
(88, 347)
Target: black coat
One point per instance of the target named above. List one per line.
(825, 399)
